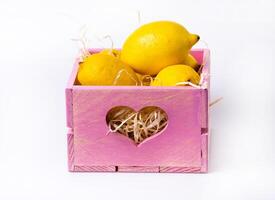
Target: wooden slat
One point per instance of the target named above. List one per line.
(69, 107)
(70, 141)
(137, 169)
(204, 153)
(180, 169)
(94, 169)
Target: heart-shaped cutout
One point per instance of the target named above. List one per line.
(136, 125)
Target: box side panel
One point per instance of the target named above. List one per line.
(204, 153)
(70, 146)
(198, 55)
(69, 107)
(73, 74)
(204, 110)
(205, 74)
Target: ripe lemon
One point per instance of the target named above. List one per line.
(191, 61)
(104, 69)
(113, 52)
(156, 45)
(174, 74)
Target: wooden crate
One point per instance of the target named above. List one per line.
(181, 147)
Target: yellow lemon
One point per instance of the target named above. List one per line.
(174, 74)
(104, 69)
(113, 52)
(191, 61)
(156, 45)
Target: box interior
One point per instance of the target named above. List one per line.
(197, 53)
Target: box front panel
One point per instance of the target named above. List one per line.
(179, 144)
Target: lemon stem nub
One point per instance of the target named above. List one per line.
(194, 39)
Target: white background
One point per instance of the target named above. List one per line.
(36, 57)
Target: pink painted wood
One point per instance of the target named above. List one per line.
(181, 147)
(137, 169)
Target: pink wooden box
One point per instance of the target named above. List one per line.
(181, 147)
